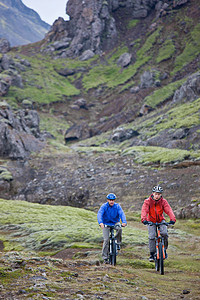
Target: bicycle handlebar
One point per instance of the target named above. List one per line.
(113, 226)
(157, 224)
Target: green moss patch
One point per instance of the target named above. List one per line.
(166, 51)
(132, 23)
(190, 52)
(150, 154)
(5, 174)
(42, 84)
(150, 41)
(183, 116)
(163, 93)
(138, 263)
(111, 75)
(56, 126)
(117, 53)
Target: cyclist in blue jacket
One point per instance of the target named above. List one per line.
(110, 213)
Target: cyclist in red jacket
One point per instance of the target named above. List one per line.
(152, 210)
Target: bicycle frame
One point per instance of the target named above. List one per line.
(160, 248)
(159, 239)
(112, 245)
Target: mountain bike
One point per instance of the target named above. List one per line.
(113, 244)
(160, 248)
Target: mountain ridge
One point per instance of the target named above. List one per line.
(20, 24)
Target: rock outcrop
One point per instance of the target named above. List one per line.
(92, 26)
(191, 211)
(189, 91)
(10, 69)
(19, 132)
(4, 46)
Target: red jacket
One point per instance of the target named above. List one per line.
(153, 210)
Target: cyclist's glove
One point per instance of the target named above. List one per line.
(145, 222)
(171, 222)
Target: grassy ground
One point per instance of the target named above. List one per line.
(75, 271)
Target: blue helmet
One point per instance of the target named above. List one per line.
(111, 196)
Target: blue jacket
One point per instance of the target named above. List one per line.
(110, 215)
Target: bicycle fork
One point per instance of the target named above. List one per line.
(159, 239)
(111, 245)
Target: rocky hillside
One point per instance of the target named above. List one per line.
(19, 24)
(111, 101)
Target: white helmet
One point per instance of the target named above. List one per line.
(157, 189)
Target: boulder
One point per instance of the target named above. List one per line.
(121, 134)
(124, 60)
(189, 91)
(60, 45)
(87, 54)
(5, 83)
(77, 132)
(178, 3)
(140, 9)
(145, 109)
(7, 62)
(4, 46)
(134, 89)
(66, 72)
(148, 79)
(81, 103)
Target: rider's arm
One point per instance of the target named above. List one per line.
(122, 216)
(100, 214)
(145, 210)
(168, 210)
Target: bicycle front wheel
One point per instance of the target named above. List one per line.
(114, 253)
(157, 262)
(161, 259)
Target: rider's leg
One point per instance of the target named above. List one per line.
(118, 234)
(164, 233)
(106, 233)
(152, 235)
(152, 243)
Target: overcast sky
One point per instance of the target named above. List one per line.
(49, 10)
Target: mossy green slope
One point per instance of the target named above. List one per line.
(184, 115)
(42, 84)
(45, 227)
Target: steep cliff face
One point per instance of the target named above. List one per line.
(20, 24)
(95, 25)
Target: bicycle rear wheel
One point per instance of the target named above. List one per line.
(161, 259)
